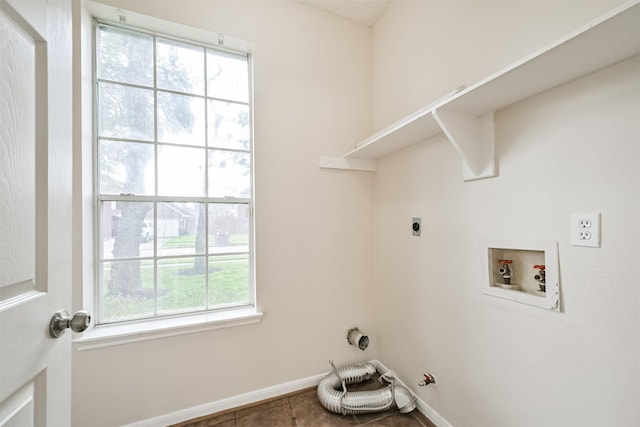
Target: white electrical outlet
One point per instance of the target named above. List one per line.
(585, 229)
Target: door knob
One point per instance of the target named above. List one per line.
(61, 321)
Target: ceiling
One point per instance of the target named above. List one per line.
(363, 11)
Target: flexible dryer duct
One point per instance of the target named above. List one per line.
(360, 402)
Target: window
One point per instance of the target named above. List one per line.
(174, 176)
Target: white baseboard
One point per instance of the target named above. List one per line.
(421, 405)
(229, 403)
(268, 393)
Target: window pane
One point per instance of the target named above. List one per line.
(125, 112)
(173, 144)
(127, 290)
(127, 229)
(229, 174)
(180, 171)
(228, 227)
(227, 76)
(180, 119)
(124, 56)
(180, 66)
(228, 125)
(229, 280)
(181, 285)
(181, 228)
(126, 167)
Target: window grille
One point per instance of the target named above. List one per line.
(173, 176)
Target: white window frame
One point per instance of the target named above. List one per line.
(86, 270)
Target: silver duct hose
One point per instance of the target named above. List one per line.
(360, 402)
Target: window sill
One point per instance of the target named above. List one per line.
(117, 334)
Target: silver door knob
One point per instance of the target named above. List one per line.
(61, 321)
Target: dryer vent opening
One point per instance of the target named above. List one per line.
(357, 338)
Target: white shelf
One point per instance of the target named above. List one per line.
(466, 116)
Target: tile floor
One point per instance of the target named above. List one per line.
(302, 409)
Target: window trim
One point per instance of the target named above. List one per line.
(85, 282)
(135, 331)
(174, 30)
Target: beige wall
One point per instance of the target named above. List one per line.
(572, 149)
(335, 250)
(312, 97)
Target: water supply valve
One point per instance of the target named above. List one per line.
(540, 277)
(506, 270)
(428, 379)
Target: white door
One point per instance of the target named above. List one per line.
(35, 210)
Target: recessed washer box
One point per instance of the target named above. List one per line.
(524, 271)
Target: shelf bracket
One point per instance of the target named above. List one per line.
(473, 139)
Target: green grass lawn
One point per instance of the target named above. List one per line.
(180, 288)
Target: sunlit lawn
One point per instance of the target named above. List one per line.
(181, 288)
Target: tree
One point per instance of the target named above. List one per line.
(127, 112)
